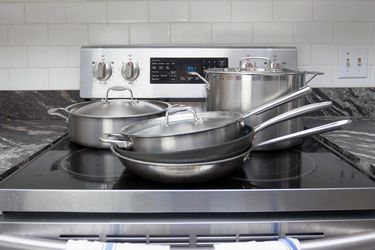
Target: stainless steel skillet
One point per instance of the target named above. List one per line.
(207, 170)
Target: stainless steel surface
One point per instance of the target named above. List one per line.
(90, 87)
(358, 241)
(88, 121)
(30, 243)
(361, 241)
(205, 130)
(348, 233)
(244, 62)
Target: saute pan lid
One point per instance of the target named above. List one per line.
(181, 124)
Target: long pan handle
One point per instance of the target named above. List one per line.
(312, 131)
(279, 101)
(292, 114)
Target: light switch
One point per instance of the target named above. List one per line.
(353, 62)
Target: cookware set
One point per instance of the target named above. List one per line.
(168, 143)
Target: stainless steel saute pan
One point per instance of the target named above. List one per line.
(194, 130)
(203, 171)
(87, 121)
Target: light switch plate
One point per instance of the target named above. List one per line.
(353, 62)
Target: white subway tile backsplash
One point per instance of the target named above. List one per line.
(334, 10)
(12, 13)
(197, 33)
(303, 54)
(273, 32)
(252, 11)
(353, 33)
(28, 79)
(4, 79)
(323, 54)
(40, 40)
(108, 34)
(65, 78)
(364, 11)
(210, 11)
(86, 12)
(68, 34)
(232, 33)
(151, 33)
(169, 11)
(47, 56)
(74, 56)
(31, 34)
(3, 35)
(292, 10)
(321, 81)
(313, 33)
(45, 12)
(13, 57)
(128, 11)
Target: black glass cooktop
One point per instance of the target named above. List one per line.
(69, 166)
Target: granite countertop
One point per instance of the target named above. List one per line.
(21, 140)
(356, 141)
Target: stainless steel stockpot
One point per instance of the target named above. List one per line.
(87, 121)
(196, 130)
(248, 87)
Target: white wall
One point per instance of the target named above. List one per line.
(40, 40)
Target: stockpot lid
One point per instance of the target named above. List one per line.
(249, 67)
(118, 108)
(246, 71)
(181, 124)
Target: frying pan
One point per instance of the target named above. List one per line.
(174, 138)
(188, 131)
(187, 172)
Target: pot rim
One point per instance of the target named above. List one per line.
(71, 108)
(244, 71)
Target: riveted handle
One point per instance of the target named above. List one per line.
(116, 139)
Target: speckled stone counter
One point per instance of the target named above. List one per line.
(21, 140)
(355, 141)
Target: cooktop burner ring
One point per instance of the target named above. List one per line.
(276, 167)
(95, 165)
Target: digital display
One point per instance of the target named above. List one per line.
(175, 70)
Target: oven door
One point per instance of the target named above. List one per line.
(315, 230)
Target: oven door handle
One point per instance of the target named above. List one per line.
(359, 241)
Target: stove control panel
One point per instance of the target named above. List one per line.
(175, 70)
(162, 71)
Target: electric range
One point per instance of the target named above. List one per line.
(73, 192)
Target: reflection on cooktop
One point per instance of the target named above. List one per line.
(276, 169)
(93, 165)
(70, 166)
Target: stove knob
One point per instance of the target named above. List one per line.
(102, 71)
(277, 67)
(130, 71)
